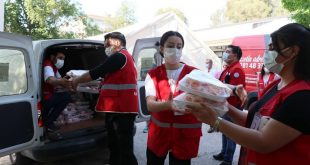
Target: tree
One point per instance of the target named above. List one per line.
(177, 12)
(91, 28)
(300, 10)
(125, 16)
(277, 8)
(218, 18)
(245, 10)
(43, 19)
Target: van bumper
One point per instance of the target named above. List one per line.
(62, 149)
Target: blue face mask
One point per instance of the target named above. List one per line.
(225, 56)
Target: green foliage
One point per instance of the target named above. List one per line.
(43, 19)
(218, 18)
(300, 10)
(125, 16)
(178, 12)
(277, 8)
(245, 10)
(91, 28)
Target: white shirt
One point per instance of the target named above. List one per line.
(172, 75)
(48, 72)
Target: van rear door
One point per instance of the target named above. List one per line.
(18, 94)
(146, 56)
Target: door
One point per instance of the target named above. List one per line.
(18, 94)
(146, 56)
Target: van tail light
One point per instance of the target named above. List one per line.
(39, 109)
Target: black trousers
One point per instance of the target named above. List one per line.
(120, 127)
(152, 159)
(54, 106)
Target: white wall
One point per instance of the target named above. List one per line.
(1, 15)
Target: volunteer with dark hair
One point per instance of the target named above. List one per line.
(278, 127)
(118, 97)
(233, 74)
(265, 77)
(169, 131)
(55, 90)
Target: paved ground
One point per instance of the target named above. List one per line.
(210, 144)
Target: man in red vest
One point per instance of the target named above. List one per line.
(55, 88)
(118, 97)
(233, 74)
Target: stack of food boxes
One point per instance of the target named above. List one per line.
(201, 87)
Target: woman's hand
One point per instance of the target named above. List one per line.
(203, 113)
(241, 93)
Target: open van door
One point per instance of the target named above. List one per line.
(146, 56)
(18, 94)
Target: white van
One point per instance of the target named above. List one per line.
(21, 72)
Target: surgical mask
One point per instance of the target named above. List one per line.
(270, 61)
(108, 51)
(225, 56)
(172, 55)
(59, 63)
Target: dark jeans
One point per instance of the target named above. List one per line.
(228, 146)
(120, 129)
(152, 159)
(54, 106)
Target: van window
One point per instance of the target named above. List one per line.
(145, 62)
(13, 79)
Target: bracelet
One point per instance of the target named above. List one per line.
(217, 123)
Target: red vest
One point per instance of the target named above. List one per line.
(230, 70)
(179, 134)
(261, 84)
(48, 90)
(119, 89)
(295, 152)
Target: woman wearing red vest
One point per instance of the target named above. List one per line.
(277, 126)
(169, 131)
(265, 77)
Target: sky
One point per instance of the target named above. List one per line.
(197, 12)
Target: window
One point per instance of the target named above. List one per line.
(13, 78)
(146, 62)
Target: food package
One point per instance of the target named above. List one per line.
(88, 87)
(75, 112)
(76, 73)
(205, 85)
(180, 102)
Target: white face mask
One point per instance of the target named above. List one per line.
(225, 56)
(172, 55)
(270, 62)
(59, 63)
(108, 51)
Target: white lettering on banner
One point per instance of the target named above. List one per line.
(252, 63)
(246, 59)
